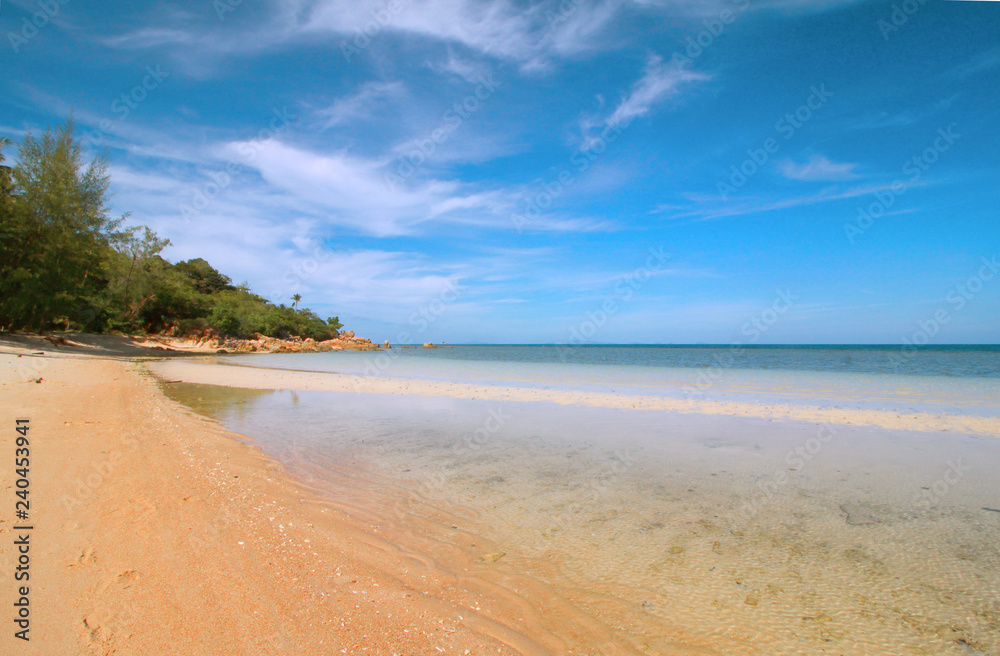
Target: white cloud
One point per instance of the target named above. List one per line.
(817, 168)
(980, 63)
(150, 37)
(496, 28)
(502, 29)
(354, 192)
(660, 82)
(362, 104)
(465, 68)
(705, 207)
(353, 189)
(272, 241)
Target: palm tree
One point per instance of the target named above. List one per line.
(296, 299)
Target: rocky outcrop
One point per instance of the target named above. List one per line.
(209, 339)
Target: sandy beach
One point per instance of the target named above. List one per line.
(157, 532)
(492, 327)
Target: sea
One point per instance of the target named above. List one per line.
(681, 532)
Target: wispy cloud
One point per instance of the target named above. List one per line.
(903, 118)
(150, 37)
(497, 29)
(362, 104)
(660, 82)
(355, 192)
(981, 63)
(704, 207)
(817, 168)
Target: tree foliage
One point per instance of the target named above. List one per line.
(56, 232)
(65, 262)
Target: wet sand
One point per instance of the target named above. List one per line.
(159, 532)
(747, 535)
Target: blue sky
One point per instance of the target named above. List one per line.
(618, 171)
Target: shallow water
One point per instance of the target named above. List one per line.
(744, 535)
(959, 361)
(961, 379)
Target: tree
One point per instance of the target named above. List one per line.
(333, 323)
(56, 233)
(65, 261)
(6, 201)
(138, 272)
(6, 174)
(205, 278)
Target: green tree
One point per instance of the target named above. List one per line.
(226, 318)
(6, 204)
(6, 174)
(56, 234)
(64, 260)
(136, 274)
(205, 278)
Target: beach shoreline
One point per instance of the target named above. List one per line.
(161, 532)
(233, 374)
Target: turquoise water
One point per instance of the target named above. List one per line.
(945, 379)
(961, 361)
(752, 535)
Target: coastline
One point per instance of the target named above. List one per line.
(247, 377)
(166, 533)
(161, 532)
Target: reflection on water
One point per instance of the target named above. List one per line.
(748, 535)
(962, 379)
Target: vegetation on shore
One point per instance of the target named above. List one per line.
(66, 263)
